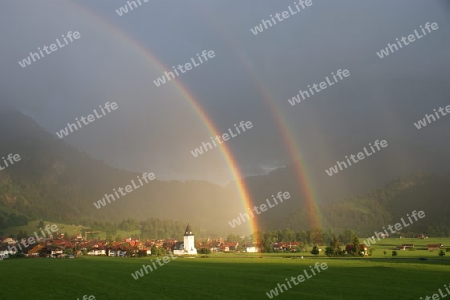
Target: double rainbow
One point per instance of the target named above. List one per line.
(292, 146)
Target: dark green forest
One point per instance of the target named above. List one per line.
(386, 205)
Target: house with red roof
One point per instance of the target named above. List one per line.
(434, 246)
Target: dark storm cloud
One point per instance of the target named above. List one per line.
(156, 127)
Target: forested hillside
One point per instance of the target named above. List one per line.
(54, 181)
(386, 205)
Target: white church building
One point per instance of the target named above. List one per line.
(187, 247)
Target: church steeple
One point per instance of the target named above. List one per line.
(188, 245)
(188, 231)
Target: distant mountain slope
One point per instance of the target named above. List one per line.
(386, 205)
(57, 182)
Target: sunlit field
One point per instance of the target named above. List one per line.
(420, 247)
(222, 276)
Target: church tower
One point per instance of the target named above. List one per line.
(189, 244)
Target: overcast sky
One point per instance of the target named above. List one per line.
(250, 78)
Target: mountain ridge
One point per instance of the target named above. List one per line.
(55, 181)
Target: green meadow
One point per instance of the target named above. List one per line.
(32, 227)
(71, 230)
(420, 247)
(225, 276)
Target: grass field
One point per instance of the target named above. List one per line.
(221, 277)
(420, 246)
(32, 227)
(71, 230)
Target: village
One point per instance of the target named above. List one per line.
(59, 246)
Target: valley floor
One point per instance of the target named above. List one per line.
(222, 277)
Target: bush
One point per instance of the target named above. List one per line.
(441, 253)
(329, 251)
(394, 253)
(17, 255)
(315, 250)
(204, 251)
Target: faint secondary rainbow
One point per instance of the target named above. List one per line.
(301, 170)
(231, 163)
(293, 148)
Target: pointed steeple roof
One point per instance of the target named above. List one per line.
(188, 230)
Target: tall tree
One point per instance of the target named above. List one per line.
(355, 242)
(315, 250)
(41, 224)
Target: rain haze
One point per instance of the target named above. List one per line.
(250, 78)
